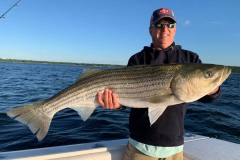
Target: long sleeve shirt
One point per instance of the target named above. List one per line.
(168, 130)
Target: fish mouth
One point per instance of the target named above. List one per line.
(227, 71)
(225, 74)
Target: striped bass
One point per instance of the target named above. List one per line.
(152, 86)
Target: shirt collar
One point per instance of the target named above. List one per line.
(166, 49)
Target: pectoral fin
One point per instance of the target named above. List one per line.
(158, 104)
(84, 112)
(155, 112)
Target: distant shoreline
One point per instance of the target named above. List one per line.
(235, 69)
(50, 62)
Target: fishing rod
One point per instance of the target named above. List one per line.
(9, 9)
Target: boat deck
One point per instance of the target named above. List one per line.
(196, 147)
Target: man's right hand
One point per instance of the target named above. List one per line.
(108, 99)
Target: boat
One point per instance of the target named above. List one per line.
(196, 147)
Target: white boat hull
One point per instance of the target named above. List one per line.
(196, 147)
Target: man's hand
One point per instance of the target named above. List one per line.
(108, 99)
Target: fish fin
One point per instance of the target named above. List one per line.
(89, 72)
(154, 113)
(158, 104)
(37, 120)
(84, 112)
(155, 108)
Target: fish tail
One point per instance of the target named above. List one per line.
(37, 121)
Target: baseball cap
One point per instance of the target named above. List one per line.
(162, 13)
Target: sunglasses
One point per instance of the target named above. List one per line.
(162, 25)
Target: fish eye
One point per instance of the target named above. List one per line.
(208, 74)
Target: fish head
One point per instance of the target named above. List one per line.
(194, 81)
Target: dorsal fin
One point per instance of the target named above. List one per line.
(88, 72)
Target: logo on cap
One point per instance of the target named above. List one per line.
(166, 11)
(160, 14)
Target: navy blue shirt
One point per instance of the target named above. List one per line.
(168, 130)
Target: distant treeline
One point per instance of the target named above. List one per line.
(235, 69)
(49, 62)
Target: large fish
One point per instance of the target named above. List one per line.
(153, 87)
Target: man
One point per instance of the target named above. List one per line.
(164, 139)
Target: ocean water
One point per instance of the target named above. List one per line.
(26, 83)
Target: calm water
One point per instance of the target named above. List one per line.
(26, 83)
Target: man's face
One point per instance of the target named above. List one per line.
(163, 33)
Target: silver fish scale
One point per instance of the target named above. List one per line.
(131, 82)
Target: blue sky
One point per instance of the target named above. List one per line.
(110, 31)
